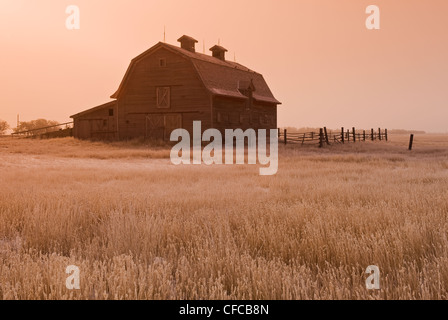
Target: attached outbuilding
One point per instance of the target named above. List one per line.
(169, 87)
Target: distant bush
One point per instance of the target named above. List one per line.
(37, 124)
(4, 126)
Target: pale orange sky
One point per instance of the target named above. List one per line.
(316, 55)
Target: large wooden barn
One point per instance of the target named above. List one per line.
(169, 87)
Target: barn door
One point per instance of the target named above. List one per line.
(154, 126)
(98, 125)
(172, 122)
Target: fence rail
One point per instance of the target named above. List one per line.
(43, 130)
(327, 137)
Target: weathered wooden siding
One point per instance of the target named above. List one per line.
(243, 114)
(137, 105)
(97, 124)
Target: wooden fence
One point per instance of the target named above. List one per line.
(47, 132)
(325, 137)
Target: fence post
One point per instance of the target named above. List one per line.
(321, 138)
(326, 136)
(411, 141)
(372, 134)
(278, 136)
(354, 134)
(379, 134)
(342, 135)
(385, 134)
(284, 133)
(348, 135)
(364, 135)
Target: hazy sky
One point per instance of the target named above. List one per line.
(316, 55)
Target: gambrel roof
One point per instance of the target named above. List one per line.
(220, 77)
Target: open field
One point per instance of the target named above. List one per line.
(139, 227)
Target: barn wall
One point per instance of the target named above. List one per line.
(265, 115)
(232, 113)
(97, 124)
(139, 115)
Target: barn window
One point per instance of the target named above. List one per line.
(162, 62)
(104, 123)
(111, 112)
(163, 97)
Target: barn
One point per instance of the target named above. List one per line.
(168, 87)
